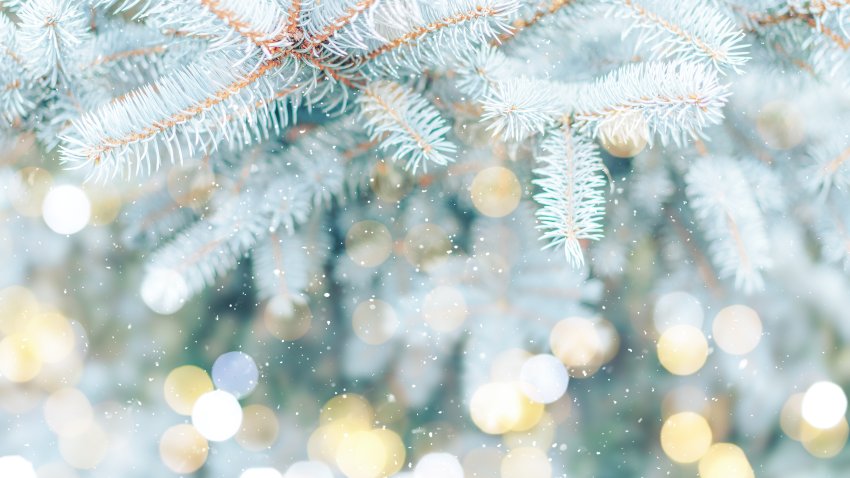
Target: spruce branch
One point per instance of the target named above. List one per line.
(730, 217)
(572, 201)
(406, 123)
(49, 35)
(416, 36)
(522, 106)
(674, 100)
(685, 30)
(178, 111)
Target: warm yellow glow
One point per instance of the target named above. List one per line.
(85, 450)
(393, 451)
(182, 449)
(824, 442)
(325, 440)
(374, 321)
(526, 462)
(68, 412)
(368, 243)
(737, 329)
(287, 319)
(495, 191)
(350, 407)
(507, 366)
(444, 309)
(685, 437)
(259, 428)
(530, 413)
(19, 358)
(624, 137)
(575, 342)
(791, 417)
(184, 385)
(725, 460)
(497, 407)
(361, 455)
(52, 335)
(682, 349)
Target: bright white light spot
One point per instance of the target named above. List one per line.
(66, 209)
(824, 405)
(260, 473)
(217, 415)
(17, 466)
(543, 378)
(235, 372)
(164, 291)
(443, 465)
(308, 469)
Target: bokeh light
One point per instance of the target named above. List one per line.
(443, 465)
(368, 243)
(308, 469)
(164, 291)
(374, 321)
(824, 405)
(259, 429)
(543, 378)
(16, 466)
(525, 462)
(265, 472)
(682, 349)
(725, 460)
(217, 415)
(66, 209)
(495, 191)
(184, 385)
(737, 329)
(87, 449)
(68, 412)
(235, 373)
(285, 319)
(685, 437)
(182, 449)
(824, 442)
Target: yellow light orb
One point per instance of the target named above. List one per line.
(184, 385)
(259, 428)
(625, 136)
(791, 417)
(85, 450)
(68, 412)
(685, 437)
(368, 243)
(444, 309)
(361, 455)
(324, 442)
(530, 413)
(541, 435)
(389, 182)
(496, 407)
(53, 336)
(182, 449)
(287, 319)
(725, 460)
(576, 342)
(737, 329)
(682, 349)
(374, 321)
(393, 450)
(349, 407)
(19, 358)
(526, 462)
(824, 442)
(495, 191)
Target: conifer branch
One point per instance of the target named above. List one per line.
(572, 199)
(405, 122)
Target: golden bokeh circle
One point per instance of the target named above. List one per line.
(682, 349)
(495, 191)
(685, 437)
(182, 449)
(737, 329)
(368, 243)
(374, 321)
(725, 460)
(259, 428)
(184, 385)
